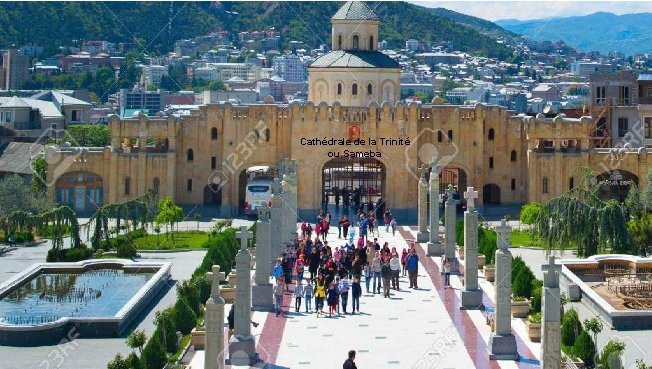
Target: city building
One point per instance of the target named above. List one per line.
(290, 68)
(15, 70)
(139, 99)
(412, 45)
(151, 75)
(586, 68)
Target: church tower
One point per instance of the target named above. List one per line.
(355, 73)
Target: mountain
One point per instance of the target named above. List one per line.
(54, 24)
(604, 32)
(481, 25)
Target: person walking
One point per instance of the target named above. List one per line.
(356, 292)
(413, 268)
(313, 263)
(345, 226)
(299, 268)
(298, 295)
(287, 265)
(350, 362)
(404, 255)
(331, 299)
(375, 269)
(339, 228)
(395, 265)
(278, 296)
(393, 225)
(320, 294)
(447, 273)
(367, 275)
(307, 294)
(277, 272)
(386, 274)
(344, 287)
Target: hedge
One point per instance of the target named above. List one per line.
(69, 255)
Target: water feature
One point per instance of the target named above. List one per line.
(50, 296)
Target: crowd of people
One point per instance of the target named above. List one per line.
(332, 274)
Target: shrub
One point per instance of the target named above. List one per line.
(487, 244)
(166, 330)
(610, 357)
(534, 318)
(127, 250)
(459, 232)
(522, 285)
(584, 348)
(190, 292)
(570, 327)
(537, 296)
(69, 255)
(134, 362)
(185, 318)
(154, 356)
(117, 363)
(203, 286)
(530, 212)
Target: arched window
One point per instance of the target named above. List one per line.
(354, 89)
(491, 134)
(371, 43)
(512, 156)
(370, 89)
(339, 42)
(339, 88)
(156, 185)
(571, 183)
(127, 185)
(356, 42)
(544, 186)
(191, 155)
(213, 133)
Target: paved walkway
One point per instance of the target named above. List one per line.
(422, 328)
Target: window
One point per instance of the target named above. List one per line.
(213, 162)
(127, 186)
(268, 134)
(339, 88)
(649, 92)
(354, 89)
(370, 89)
(648, 127)
(8, 117)
(600, 94)
(513, 184)
(191, 155)
(571, 183)
(213, 133)
(544, 186)
(623, 126)
(371, 43)
(623, 95)
(512, 156)
(491, 134)
(491, 162)
(189, 185)
(440, 136)
(356, 42)
(450, 135)
(75, 115)
(156, 185)
(339, 42)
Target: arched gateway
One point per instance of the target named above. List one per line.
(352, 176)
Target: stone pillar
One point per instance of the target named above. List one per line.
(471, 295)
(551, 319)
(423, 234)
(276, 220)
(502, 343)
(291, 170)
(287, 211)
(214, 351)
(449, 234)
(242, 346)
(434, 246)
(262, 290)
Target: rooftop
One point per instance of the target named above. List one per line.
(355, 10)
(16, 157)
(354, 59)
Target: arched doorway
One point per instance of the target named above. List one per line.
(616, 184)
(212, 195)
(352, 181)
(261, 175)
(82, 191)
(455, 177)
(491, 194)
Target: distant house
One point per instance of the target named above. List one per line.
(74, 110)
(29, 118)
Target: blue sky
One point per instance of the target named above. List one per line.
(495, 10)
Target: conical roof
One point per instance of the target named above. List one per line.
(355, 10)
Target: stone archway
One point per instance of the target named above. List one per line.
(491, 194)
(82, 191)
(616, 184)
(360, 179)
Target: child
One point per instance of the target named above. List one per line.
(300, 266)
(331, 299)
(356, 292)
(278, 270)
(298, 294)
(308, 295)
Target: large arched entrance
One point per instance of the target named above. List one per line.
(82, 191)
(616, 184)
(491, 194)
(352, 181)
(254, 185)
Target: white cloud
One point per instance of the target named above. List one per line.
(495, 10)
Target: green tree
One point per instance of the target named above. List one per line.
(168, 213)
(610, 357)
(646, 195)
(640, 364)
(641, 232)
(154, 355)
(594, 325)
(118, 363)
(216, 86)
(15, 195)
(185, 318)
(166, 329)
(584, 348)
(39, 168)
(530, 212)
(88, 135)
(633, 202)
(137, 340)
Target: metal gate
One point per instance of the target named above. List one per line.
(345, 175)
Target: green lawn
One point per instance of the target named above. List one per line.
(524, 238)
(165, 241)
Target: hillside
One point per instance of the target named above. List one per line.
(52, 24)
(481, 25)
(604, 32)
